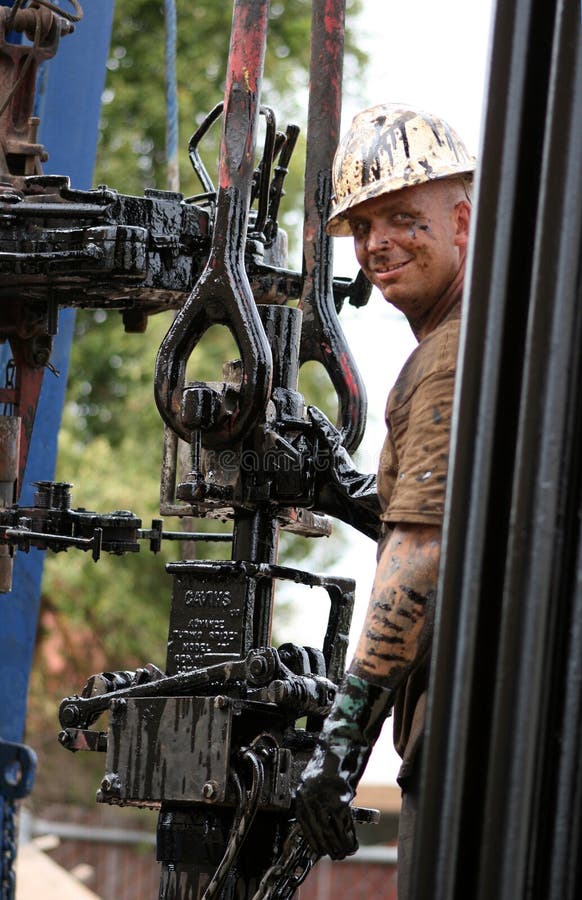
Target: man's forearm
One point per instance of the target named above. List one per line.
(398, 626)
(396, 635)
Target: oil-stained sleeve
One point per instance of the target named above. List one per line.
(412, 471)
(420, 436)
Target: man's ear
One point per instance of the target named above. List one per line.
(462, 214)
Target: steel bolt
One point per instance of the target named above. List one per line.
(111, 784)
(200, 406)
(69, 715)
(209, 790)
(65, 738)
(257, 667)
(221, 702)
(41, 353)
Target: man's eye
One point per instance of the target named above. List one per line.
(360, 229)
(402, 217)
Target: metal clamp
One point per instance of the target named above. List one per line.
(17, 770)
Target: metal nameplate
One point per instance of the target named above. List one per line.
(168, 748)
(207, 622)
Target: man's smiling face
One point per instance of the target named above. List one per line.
(411, 244)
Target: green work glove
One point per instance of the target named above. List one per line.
(328, 784)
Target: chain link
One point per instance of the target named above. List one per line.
(290, 870)
(7, 874)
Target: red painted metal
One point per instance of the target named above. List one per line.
(242, 94)
(322, 339)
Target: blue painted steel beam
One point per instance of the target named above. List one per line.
(69, 105)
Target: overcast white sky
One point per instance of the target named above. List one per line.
(432, 55)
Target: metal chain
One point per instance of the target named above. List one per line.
(248, 806)
(290, 870)
(8, 876)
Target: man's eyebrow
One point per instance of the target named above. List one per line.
(409, 208)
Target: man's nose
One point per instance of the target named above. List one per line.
(378, 237)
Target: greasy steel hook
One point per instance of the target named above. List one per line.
(322, 338)
(223, 295)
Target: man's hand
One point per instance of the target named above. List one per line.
(323, 811)
(330, 779)
(340, 490)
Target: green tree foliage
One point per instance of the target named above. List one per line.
(133, 120)
(114, 614)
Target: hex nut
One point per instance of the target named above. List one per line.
(200, 406)
(209, 790)
(257, 667)
(111, 785)
(65, 738)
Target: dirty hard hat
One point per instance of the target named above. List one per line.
(390, 147)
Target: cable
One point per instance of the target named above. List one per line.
(246, 811)
(69, 16)
(173, 172)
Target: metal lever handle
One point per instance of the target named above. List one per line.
(322, 339)
(223, 294)
(261, 177)
(258, 668)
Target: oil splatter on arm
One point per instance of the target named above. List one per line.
(399, 621)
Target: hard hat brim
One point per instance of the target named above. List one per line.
(338, 225)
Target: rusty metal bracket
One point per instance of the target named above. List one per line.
(20, 153)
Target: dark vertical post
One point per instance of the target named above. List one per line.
(191, 841)
(504, 724)
(256, 535)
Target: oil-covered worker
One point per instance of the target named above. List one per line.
(402, 190)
